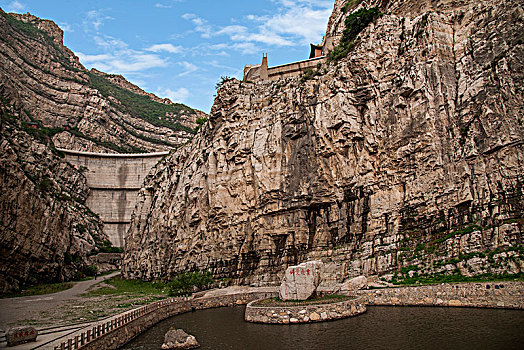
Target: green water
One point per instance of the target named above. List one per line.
(379, 328)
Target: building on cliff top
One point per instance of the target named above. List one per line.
(261, 72)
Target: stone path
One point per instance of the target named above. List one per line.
(24, 308)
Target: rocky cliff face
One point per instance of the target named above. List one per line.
(45, 228)
(83, 110)
(403, 159)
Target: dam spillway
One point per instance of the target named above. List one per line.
(114, 180)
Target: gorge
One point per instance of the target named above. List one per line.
(397, 156)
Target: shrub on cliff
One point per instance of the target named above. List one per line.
(355, 23)
(223, 79)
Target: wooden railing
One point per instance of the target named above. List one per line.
(91, 334)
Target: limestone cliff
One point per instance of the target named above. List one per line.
(83, 110)
(402, 159)
(46, 230)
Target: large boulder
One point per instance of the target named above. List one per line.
(356, 283)
(20, 335)
(178, 339)
(301, 281)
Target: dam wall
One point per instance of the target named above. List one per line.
(114, 181)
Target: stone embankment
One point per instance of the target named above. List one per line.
(508, 295)
(304, 313)
(114, 332)
(120, 329)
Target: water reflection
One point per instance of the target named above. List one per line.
(379, 328)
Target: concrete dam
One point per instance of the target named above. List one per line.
(114, 181)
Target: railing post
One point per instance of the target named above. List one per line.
(62, 346)
(69, 344)
(88, 335)
(76, 341)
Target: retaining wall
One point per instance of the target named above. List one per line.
(508, 295)
(293, 69)
(114, 181)
(304, 313)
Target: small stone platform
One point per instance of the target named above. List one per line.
(304, 313)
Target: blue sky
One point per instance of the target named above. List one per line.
(180, 48)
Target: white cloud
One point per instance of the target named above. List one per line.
(15, 6)
(66, 27)
(246, 48)
(298, 22)
(87, 59)
(137, 62)
(296, 3)
(95, 19)
(120, 62)
(179, 95)
(109, 43)
(304, 23)
(167, 6)
(165, 47)
(201, 25)
(188, 68)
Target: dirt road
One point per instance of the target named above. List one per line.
(22, 308)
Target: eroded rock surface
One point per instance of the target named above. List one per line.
(355, 283)
(408, 152)
(46, 230)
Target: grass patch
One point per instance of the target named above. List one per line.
(130, 287)
(461, 232)
(458, 277)
(106, 144)
(40, 290)
(143, 107)
(277, 302)
(310, 73)
(350, 5)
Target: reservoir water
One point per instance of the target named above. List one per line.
(379, 328)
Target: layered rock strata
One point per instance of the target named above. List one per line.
(46, 230)
(403, 159)
(82, 110)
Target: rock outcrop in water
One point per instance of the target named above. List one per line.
(46, 230)
(403, 159)
(83, 110)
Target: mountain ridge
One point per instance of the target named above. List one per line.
(46, 79)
